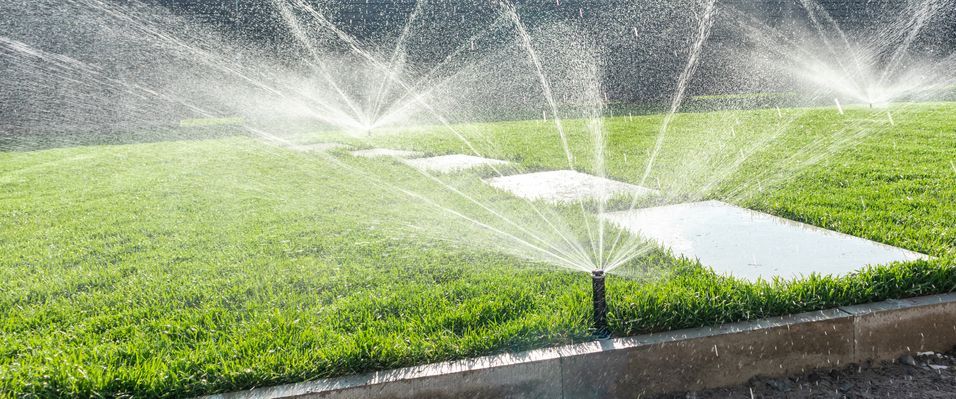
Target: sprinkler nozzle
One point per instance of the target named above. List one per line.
(601, 330)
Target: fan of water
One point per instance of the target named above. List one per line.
(97, 65)
(898, 56)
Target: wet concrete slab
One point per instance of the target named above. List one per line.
(386, 153)
(453, 163)
(751, 245)
(563, 186)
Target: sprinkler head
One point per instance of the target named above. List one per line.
(601, 330)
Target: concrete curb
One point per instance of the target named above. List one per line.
(665, 362)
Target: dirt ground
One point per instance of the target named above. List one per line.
(926, 375)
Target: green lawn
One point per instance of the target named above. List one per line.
(191, 267)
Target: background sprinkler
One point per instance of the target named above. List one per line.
(601, 330)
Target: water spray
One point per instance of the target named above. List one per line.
(601, 331)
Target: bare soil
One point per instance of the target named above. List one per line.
(925, 375)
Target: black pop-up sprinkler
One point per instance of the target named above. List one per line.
(601, 330)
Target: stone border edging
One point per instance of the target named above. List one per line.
(650, 364)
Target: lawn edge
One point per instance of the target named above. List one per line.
(675, 361)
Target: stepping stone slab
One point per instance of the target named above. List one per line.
(452, 163)
(563, 186)
(386, 153)
(750, 245)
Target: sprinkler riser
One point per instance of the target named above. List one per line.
(601, 330)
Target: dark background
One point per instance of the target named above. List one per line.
(654, 82)
(638, 75)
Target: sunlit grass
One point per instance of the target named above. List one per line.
(183, 268)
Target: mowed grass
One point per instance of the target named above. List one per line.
(193, 267)
(884, 174)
